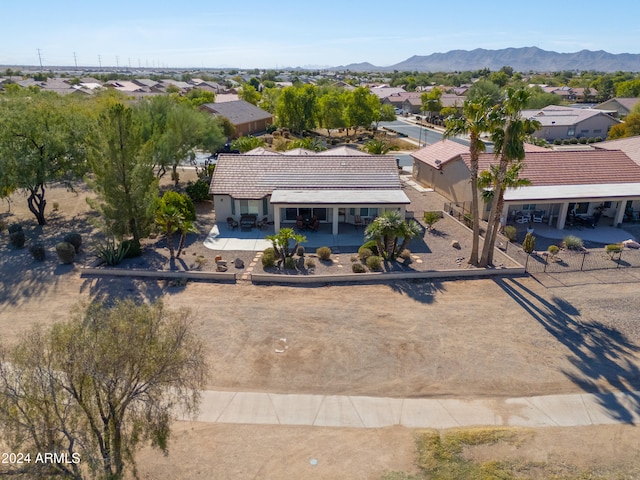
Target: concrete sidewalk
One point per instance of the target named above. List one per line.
(377, 412)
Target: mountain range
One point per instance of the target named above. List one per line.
(525, 59)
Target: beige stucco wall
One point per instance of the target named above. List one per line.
(451, 181)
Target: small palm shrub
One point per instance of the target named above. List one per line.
(66, 252)
(323, 253)
(289, 263)
(309, 263)
(17, 239)
(511, 233)
(364, 253)
(74, 239)
(358, 268)
(529, 243)
(374, 263)
(37, 251)
(572, 242)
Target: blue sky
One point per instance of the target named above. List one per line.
(284, 33)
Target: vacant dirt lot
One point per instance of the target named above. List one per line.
(521, 336)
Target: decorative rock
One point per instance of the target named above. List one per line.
(455, 244)
(221, 268)
(239, 263)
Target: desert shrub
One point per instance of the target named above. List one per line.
(529, 243)
(613, 248)
(557, 141)
(289, 263)
(511, 233)
(17, 239)
(374, 263)
(110, 253)
(132, 248)
(573, 141)
(598, 139)
(14, 227)
(309, 263)
(37, 251)
(74, 239)
(364, 253)
(323, 253)
(430, 218)
(358, 268)
(371, 245)
(56, 206)
(66, 252)
(572, 242)
(582, 140)
(3, 225)
(270, 251)
(268, 258)
(198, 191)
(300, 251)
(553, 249)
(405, 254)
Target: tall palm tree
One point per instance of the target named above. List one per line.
(170, 221)
(476, 119)
(488, 180)
(508, 136)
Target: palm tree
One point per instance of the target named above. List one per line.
(508, 136)
(281, 242)
(387, 229)
(476, 119)
(184, 228)
(170, 220)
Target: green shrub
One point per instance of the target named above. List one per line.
(132, 248)
(358, 268)
(529, 243)
(66, 252)
(270, 251)
(582, 140)
(289, 263)
(268, 258)
(553, 249)
(111, 253)
(37, 251)
(198, 191)
(323, 253)
(364, 253)
(511, 233)
(17, 239)
(371, 245)
(300, 251)
(74, 239)
(374, 263)
(614, 248)
(572, 242)
(573, 141)
(430, 218)
(598, 139)
(14, 227)
(557, 141)
(309, 263)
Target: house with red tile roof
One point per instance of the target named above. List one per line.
(561, 181)
(337, 189)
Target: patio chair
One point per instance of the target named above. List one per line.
(263, 223)
(537, 217)
(233, 224)
(300, 223)
(358, 221)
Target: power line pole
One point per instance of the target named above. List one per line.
(100, 62)
(40, 58)
(117, 62)
(75, 59)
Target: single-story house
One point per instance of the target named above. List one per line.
(336, 189)
(560, 123)
(629, 145)
(618, 107)
(245, 117)
(561, 181)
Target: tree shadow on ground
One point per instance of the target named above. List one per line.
(421, 290)
(106, 290)
(604, 359)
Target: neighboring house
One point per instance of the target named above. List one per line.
(414, 104)
(245, 117)
(629, 145)
(618, 107)
(385, 91)
(336, 189)
(560, 181)
(397, 99)
(560, 123)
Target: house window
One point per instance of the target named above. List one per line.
(320, 213)
(369, 212)
(597, 131)
(571, 131)
(290, 214)
(265, 206)
(529, 207)
(249, 207)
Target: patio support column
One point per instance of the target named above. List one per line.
(619, 212)
(562, 215)
(334, 220)
(276, 218)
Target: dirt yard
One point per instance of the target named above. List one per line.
(470, 338)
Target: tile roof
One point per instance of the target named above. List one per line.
(596, 167)
(253, 177)
(629, 145)
(238, 112)
(343, 150)
(555, 115)
(439, 153)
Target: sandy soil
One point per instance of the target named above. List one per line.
(522, 336)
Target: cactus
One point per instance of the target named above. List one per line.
(66, 252)
(529, 243)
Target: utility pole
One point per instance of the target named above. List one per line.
(75, 60)
(100, 62)
(117, 63)
(40, 58)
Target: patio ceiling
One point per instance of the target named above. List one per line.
(571, 192)
(339, 197)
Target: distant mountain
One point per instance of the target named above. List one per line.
(520, 59)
